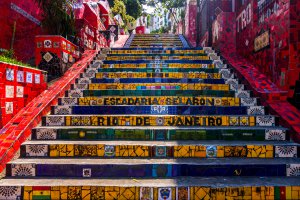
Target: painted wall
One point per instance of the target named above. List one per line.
(190, 22)
(26, 16)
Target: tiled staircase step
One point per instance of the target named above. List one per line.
(113, 168)
(120, 54)
(159, 75)
(155, 86)
(158, 80)
(160, 120)
(158, 70)
(166, 100)
(160, 133)
(140, 93)
(158, 48)
(157, 52)
(163, 58)
(156, 110)
(160, 149)
(212, 182)
(153, 61)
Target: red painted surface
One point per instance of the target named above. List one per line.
(190, 22)
(279, 60)
(19, 128)
(140, 29)
(13, 11)
(17, 91)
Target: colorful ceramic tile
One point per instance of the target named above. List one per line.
(20, 76)
(211, 151)
(29, 77)
(182, 193)
(22, 170)
(63, 110)
(159, 110)
(47, 44)
(86, 172)
(164, 193)
(37, 78)
(36, 150)
(256, 110)
(56, 44)
(55, 121)
(109, 151)
(293, 170)
(46, 134)
(265, 120)
(275, 134)
(9, 91)
(248, 101)
(39, 45)
(10, 74)
(9, 108)
(47, 57)
(20, 91)
(160, 151)
(286, 151)
(10, 192)
(146, 193)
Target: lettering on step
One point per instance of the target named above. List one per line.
(148, 121)
(244, 18)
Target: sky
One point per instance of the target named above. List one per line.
(148, 9)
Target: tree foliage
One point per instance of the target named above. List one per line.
(120, 8)
(55, 19)
(134, 8)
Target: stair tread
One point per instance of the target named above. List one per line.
(214, 182)
(134, 161)
(162, 143)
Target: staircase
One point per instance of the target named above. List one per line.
(156, 121)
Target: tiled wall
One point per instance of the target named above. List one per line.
(18, 86)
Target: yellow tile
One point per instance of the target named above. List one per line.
(55, 194)
(295, 195)
(220, 151)
(54, 150)
(63, 192)
(288, 192)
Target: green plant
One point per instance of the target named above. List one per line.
(58, 18)
(4, 58)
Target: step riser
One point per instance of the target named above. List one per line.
(157, 110)
(153, 101)
(155, 193)
(163, 61)
(179, 121)
(145, 170)
(143, 151)
(159, 135)
(141, 93)
(157, 80)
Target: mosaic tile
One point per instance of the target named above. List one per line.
(84, 81)
(20, 76)
(9, 91)
(29, 77)
(86, 172)
(248, 101)
(164, 193)
(160, 151)
(37, 78)
(211, 151)
(9, 108)
(265, 120)
(75, 93)
(10, 74)
(20, 92)
(146, 193)
(63, 110)
(286, 151)
(47, 44)
(293, 170)
(55, 121)
(46, 134)
(22, 170)
(183, 193)
(242, 94)
(81, 86)
(275, 134)
(109, 151)
(68, 101)
(256, 110)
(10, 192)
(36, 150)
